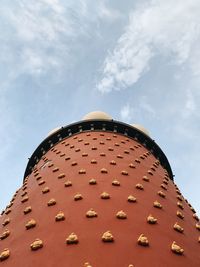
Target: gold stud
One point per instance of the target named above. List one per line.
(139, 186)
(55, 169)
(50, 165)
(150, 172)
(80, 140)
(30, 224)
(108, 138)
(7, 211)
(131, 265)
(92, 181)
(116, 182)
(131, 165)
(165, 182)
(5, 234)
(120, 156)
(68, 183)
(24, 199)
(5, 254)
(91, 213)
(161, 194)
(105, 195)
(180, 214)
(151, 219)
(124, 172)
(37, 244)
(6, 221)
(195, 217)
(137, 160)
(176, 249)
(77, 149)
(101, 143)
(72, 146)
(27, 210)
(131, 199)
(38, 178)
(112, 162)
(45, 190)
(121, 215)
(126, 152)
(82, 171)
(94, 148)
(84, 154)
(74, 163)
(180, 205)
(24, 188)
(60, 176)
(143, 241)
(178, 228)
(87, 264)
(178, 192)
(72, 239)
(104, 170)
(107, 237)
(86, 143)
(156, 204)
(60, 217)
(51, 202)
(102, 154)
(41, 182)
(78, 197)
(93, 161)
(163, 186)
(145, 178)
(111, 149)
(67, 158)
(198, 226)
(116, 144)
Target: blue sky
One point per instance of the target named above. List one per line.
(138, 60)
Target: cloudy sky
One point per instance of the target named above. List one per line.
(137, 60)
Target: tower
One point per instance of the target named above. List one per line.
(99, 193)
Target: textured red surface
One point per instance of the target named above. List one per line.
(75, 154)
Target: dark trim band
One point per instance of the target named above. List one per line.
(98, 125)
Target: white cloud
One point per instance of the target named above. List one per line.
(167, 28)
(41, 36)
(126, 113)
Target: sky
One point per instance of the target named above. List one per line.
(139, 61)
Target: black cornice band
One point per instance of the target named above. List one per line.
(98, 125)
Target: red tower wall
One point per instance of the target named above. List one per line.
(104, 157)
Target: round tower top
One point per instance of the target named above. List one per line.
(97, 115)
(141, 128)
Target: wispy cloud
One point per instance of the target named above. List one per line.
(41, 36)
(126, 113)
(166, 28)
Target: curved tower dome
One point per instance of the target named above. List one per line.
(97, 115)
(141, 128)
(99, 193)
